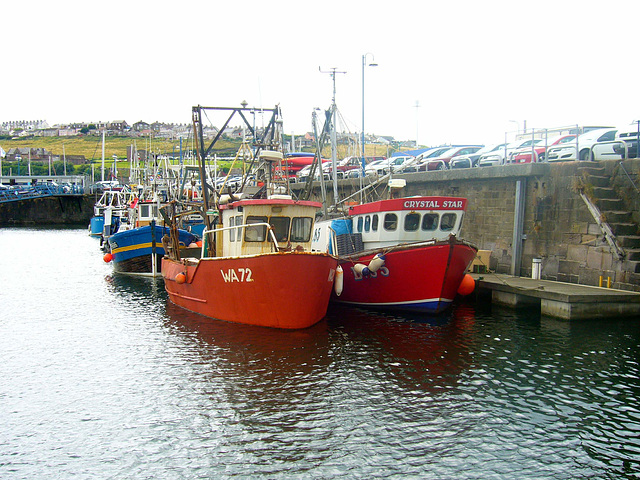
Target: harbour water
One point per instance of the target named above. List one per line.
(102, 377)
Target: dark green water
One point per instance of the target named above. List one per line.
(102, 377)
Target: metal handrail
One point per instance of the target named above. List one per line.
(629, 177)
(534, 155)
(608, 142)
(243, 226)
(22, 192)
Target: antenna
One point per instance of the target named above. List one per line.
(417, 107)
(332, 71)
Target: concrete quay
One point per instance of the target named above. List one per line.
(566, 301)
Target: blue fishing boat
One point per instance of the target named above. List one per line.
(113, 205)
(139, 251)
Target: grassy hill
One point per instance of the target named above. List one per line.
(91, 145)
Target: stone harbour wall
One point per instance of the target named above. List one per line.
(52, 210)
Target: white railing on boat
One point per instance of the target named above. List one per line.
(238, 227)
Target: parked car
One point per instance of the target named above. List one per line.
(525, 155)
(471, 160)
(378, 167)
(587, 148)
(441, 162)
(395, 164)
(497, 157)
(425, 156)
(303, 174)
(628, 135)
(345, 165)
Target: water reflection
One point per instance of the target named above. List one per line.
(421, 351)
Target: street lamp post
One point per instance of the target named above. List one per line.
(365, 64)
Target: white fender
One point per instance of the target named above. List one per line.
(338, 282)
(376, 262)
(361, 269)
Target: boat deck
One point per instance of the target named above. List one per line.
(557, 299)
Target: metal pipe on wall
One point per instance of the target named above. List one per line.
(518, 227)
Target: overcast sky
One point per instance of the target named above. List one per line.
(476, 69)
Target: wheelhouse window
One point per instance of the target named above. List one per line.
(239, 221)
(280, 227)
(256, 233)
(232, 231)
(411, 222)
(390, 221)
(430, 221)
(367, 223)
(448, 222)
(360, 222)
(301, 229)
(374, 223)
(145, 211)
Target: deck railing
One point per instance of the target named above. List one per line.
(21, 192)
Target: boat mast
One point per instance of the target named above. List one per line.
(317, 164)
(102, 155)
(199, 144)
(332, 118)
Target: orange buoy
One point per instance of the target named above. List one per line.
(199, 243)
(181, 278)
(467, 285)
(107, 257)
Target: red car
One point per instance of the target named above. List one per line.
(524, 155)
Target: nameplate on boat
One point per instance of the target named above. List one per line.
(410, 203)
(430, 204)
(241, 275)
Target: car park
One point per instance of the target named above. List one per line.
(441, 162)
(471, 160)
(595, 144)
(537, 153)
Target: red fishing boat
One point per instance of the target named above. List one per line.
(256, 267)
(400, 254)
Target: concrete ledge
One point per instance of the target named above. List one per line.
(568, 301)
(589, 310)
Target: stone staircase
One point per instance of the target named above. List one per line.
(614, 213)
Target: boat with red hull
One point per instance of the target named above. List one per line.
(256, 290)
(399, 254)
(256, 267)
